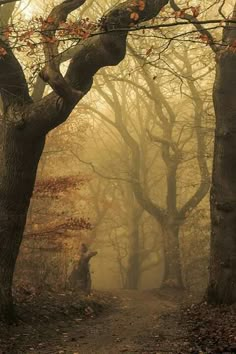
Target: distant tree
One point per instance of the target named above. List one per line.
(144, 116)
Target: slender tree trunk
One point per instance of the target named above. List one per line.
(133, 270)
(19, 158)
(222, 282)
(173, 267)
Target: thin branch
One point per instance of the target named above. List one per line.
(220, 10)
(198, 25)
(99, 173)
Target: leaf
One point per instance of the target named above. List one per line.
(7, 32)
(195, 10)
(50, 20)
(204, 38)
(179, 14)
(3, 52)
(141, 5)
(134, 16)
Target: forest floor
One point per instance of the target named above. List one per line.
(119, 321)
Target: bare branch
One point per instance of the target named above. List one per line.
(111, 178)
(197, 25)
(204, 185)
(221, 9)
(162, 140)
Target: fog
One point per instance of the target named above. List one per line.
(129, 175)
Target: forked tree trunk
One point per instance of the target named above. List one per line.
(222, 282)
(19, 158)
(173, 267)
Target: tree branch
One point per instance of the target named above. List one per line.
(105, 49)
(139, 190)
(162, 140)
(204, 185)
(197, 25)
(51, 72)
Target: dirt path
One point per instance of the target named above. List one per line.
(133, 327)
(136, 322)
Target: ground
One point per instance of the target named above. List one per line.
(115, 322)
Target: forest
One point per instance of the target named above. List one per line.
(117, 176)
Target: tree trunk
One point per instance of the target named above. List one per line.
(19, 156)
(173, 267)
(222, 282)
(133, 270)
(80, 278)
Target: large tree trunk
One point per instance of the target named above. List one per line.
(19, 156)
(173, 266)
(222, 282)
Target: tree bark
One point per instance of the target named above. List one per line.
(222, 282)
(173, 267)
(18, 163)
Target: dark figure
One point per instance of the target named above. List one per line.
(80, 277)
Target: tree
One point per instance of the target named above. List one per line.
(25, 123)
(119, 221)
(142, 104)
(222, 281)
(80, 277)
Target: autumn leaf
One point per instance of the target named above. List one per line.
(26, 35)
(31, 45)
(179, 14)
(141, 5)
(195, 10)
(3, 52)
(85, 35)
(50, 20)
(134, 16)
(7, 32)
(204, 38)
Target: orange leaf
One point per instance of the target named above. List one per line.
(195, 11)
(50, 20)
(3, 52)
(204, 38)
(134, 16)
(141, 5)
